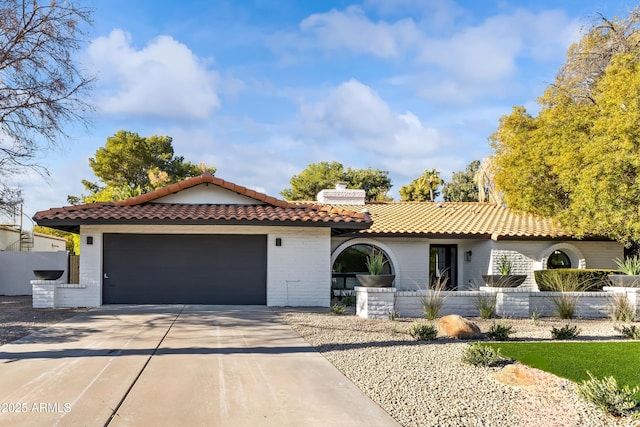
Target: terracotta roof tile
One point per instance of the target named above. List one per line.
(453, 218)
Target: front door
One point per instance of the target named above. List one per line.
(443, 266)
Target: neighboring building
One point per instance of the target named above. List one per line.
(14, 239)
(205, 240)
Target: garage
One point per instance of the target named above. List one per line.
(184, 269)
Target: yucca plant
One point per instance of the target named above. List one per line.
(505, 266)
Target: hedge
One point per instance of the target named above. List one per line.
(588, 279)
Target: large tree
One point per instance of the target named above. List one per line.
(422, 189)
(578, 160)
(463, 186)
(130, 164)
(324, 175)
(41, 86)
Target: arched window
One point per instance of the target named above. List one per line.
(558, 259)
(352, 261)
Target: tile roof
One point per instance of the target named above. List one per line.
(455, 219)
(140, 209)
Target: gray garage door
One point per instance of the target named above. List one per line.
(184, 269)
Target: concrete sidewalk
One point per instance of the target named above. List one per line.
(176, 365)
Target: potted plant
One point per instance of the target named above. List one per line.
(629, 276)
(505, 279)
(375, 278)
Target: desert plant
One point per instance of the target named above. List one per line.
(349, 300)
(433, 300)
(606, 394)
(565, 305)
(505, 266)
(535, 316)
(375, 263)
(621, 309)
(585, 280)
(566, 332)
(630, 266)
(631, 331)
(499, 332)
(393, 315)
(486, 304)
(338, 309)
(423, 331)
(478, 354)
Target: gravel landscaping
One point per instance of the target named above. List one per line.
(427, 384)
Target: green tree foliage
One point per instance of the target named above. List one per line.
(129, 165)
(578, 160)
(324, 175)
(422, 189)
(463, 187)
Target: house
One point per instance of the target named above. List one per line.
(14, 239)
(209, 241)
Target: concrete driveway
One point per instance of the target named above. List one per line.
(176, 365)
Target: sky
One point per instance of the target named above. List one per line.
(261, 89)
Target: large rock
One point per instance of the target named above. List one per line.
(457, 326)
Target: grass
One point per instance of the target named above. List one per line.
(572, 360)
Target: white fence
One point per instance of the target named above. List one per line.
(376, 303)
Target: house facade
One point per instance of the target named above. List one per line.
(208, 241)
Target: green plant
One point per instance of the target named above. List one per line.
(499, 332)
(338, 309)
(621, 309)
(478, 354)
(375, 263)
(505, 266)
(582, 280)
(486, 304)
(630, 266)
(606, 394)
(423, 331)
(535, 316)
(433, 300)
(349, 300)
(565, 305)
(631, 331)
(566, 332)
(393, 315)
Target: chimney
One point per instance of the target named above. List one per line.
(341, 195)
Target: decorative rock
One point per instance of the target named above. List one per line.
(457, 326)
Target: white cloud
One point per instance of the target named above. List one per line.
(354, 31)
(163, 79)
(354, 114)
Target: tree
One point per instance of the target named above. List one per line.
(423, 188)
(463, 187)
(129, 165)
(324, 175)
(73, 239)
(42, 88)
(578, 160)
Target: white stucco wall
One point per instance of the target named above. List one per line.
(210, 193)
(298, 272)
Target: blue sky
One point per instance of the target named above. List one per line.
(262, 88)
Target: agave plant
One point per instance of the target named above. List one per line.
(376, 263)
(630, 266)
(505, 266)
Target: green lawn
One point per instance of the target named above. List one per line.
(572, 360)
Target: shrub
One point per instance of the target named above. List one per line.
(486, 304)
(586, 279)
(499, 332)
(423, 331)
(631, 331)
(393, 315)
(565, 305)
(606, 394)
(629, 266)
(349, 300)
(338, 309)
(621, 309)
(535, 316)
(565, 333)
(433, 301)
(478, 354)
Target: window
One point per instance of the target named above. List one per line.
(352, 261)
(443, 265)
(558, 259)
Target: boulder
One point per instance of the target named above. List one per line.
(457, 326)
